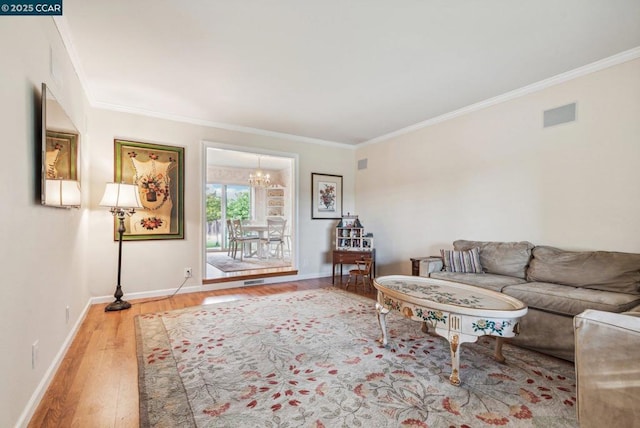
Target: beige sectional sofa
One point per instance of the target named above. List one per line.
(556, 285)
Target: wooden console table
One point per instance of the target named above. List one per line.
(415, 263)
(347, 257)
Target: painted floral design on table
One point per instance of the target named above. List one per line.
(490, 326)
(429, 315)
(434, 293)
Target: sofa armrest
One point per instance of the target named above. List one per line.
(430, 264)
(607, 368)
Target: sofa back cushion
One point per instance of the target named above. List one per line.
(598, 270)
(500, 258)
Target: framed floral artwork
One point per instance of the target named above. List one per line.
(326, 196)
(61, 155)
(158, 171)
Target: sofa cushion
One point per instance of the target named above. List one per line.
(598, 270)
(563, 299)
(488, 280)
(501, 258)
(466, 261)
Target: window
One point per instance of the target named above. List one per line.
(225, 201)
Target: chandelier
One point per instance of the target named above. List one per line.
(259, 178)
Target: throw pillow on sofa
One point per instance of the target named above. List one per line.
(467, 261)
(500, 258)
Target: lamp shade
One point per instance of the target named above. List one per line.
(63, 193)
(121, 195)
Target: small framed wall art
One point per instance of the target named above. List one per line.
(326, 196)
(158, 170)
(61, 155)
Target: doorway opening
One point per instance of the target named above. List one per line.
(240, 216)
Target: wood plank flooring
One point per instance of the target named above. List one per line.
(97, 382)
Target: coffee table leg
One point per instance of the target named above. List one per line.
(455, 360)
(425, 327)
(498, 352)
(382, 313)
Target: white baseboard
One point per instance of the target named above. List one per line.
(40, 390)
(147, 294)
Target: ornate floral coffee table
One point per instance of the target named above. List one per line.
(460, 313)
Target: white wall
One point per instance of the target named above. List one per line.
(42, 251)
(496, 174)
(159, 265)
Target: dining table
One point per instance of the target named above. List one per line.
(261, 230)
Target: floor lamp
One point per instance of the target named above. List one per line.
(122, 199)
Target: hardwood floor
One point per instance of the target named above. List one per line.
(97, 382)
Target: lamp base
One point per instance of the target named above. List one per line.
(118, 305)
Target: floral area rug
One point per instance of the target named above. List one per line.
(229, 264)
(311, 359)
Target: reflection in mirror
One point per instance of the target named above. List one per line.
(60, 185)
(62, 193)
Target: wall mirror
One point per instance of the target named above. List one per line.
(60, 185)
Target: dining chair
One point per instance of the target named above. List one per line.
(363, 271)
(232, 238)
(287, 240)
(275, 237)
(241, 239)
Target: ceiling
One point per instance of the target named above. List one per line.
(330, 70)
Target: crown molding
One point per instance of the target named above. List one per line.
(65, 34)
(67, 39)
(219, 125)
(602, 64)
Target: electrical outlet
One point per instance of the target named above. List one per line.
(35, 349)
(188, 273)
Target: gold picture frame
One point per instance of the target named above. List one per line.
(158, 170)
